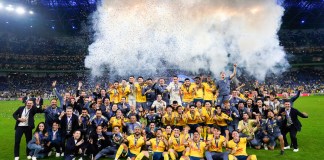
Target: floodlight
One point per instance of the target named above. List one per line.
(20, 10)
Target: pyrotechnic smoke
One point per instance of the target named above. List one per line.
(143, 37)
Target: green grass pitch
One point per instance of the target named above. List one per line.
(310, 139)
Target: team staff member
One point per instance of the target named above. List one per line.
(223, 86)
(25, 124)
(135, 143)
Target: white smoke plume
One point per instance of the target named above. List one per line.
(143, 37)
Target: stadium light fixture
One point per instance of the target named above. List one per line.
(1, 6)
(31, 12)
(20, 10)
(9, 8)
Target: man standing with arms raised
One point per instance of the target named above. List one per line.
(223, 86)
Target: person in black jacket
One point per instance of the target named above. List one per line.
(98, 140)
(54, 139)
(291, 124)
(74, 146)
(25, 124)
(69, 123)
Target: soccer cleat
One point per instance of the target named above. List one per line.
(265, 147)
(62, 154)
(296, 150)
(34, 158)
(29, 157)
(287, 147)
(49, 153)
(282, 152)
(16, 158)
(57, 155)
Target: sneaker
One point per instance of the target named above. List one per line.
(34, 158)
(287, 147)
(296, 150)
(265, 147)
(16, 158)
(129, 158)
(282, 152)
(80, 158)
(29, 157)
(62, 154)
(49, 153)
(57, 155)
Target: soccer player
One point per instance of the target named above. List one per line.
(177, 144)
(221, 120)
(135, 143)
(237, 148)
(187, 92)
(195, 149)
(140, 98)
(215, 146)
(159, 146)
(174, 90)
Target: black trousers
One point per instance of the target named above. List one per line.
(18, 134)
(293, 133)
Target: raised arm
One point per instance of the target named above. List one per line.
(57, 94)
(234, 71)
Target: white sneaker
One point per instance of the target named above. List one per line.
(29, 157)
(129, 158)
(80, 158)
(287, 147)
(34, 158)
(296, 150)
(57, 155)
(16, 158)
(265, 147)
(49, 153)
(62, 154)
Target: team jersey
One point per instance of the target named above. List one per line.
(157, 145)
(180, 119)
(168, 119)
(124, 91)
(115, 122)
(197, 149)
(220, 119)
(240, 147)
(139, 97)
(216, 144)
(167, 135)
(199, 92)
(178, 143)
(202, 113)
(193, 118)
(209, 91)
(209, 116)
(187, 93)
(115, 95)
(134, 144)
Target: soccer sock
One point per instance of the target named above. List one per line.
(166, 156)
(253, 157)
(119, 151)
(139, 156)
(172, 155)
(205, 133)
(230, 157)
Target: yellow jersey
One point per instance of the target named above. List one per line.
(180, 119)
(216, 144)
(240, 147)
(139, 97)
(221, 119)
(167, 135)
(134, 144)
(115, 94)
(177, 143)
(199, 92)
(124, 91)
(187, 93)
(209, 116)
(168, 119)
(210, 89)
(115, 122)
(202, 113)
(157, 145)
(197, 149)
(193, 118)
(249, 124)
